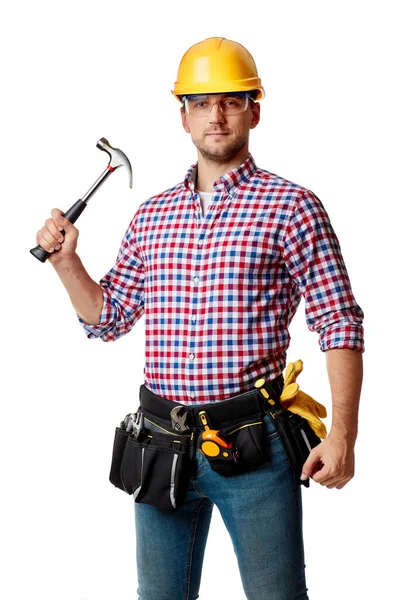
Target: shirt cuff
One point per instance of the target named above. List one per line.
(349, 336)
(106, 322)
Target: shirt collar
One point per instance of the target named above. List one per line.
(227, 182)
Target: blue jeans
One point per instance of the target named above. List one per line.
(262, 511)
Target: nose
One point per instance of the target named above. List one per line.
(216, 115)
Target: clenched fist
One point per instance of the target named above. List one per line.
(52, 240)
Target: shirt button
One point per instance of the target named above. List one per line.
(191, 356)
(200, 242)
(196, 279)
(192, 394)
(194, 319)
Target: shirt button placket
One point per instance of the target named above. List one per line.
(194, 318)
(196, 290)
(192, 340)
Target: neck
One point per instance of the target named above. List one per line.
(209, 171)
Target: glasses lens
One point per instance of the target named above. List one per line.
(201, 105)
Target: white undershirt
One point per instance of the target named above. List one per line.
(205, 199)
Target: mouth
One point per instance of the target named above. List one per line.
(217, 134)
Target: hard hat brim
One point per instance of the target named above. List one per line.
(180, 91)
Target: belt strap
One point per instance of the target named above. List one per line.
(238, 406)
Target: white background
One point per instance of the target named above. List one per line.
(77, 71)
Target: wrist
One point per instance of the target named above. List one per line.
(344, 434)
(64, 261)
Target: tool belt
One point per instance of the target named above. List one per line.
(155, 466)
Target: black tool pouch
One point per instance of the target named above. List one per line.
(120, 439)
(153, 467)
(298, 439)
(250, 448)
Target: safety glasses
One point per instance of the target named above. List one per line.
(200, 105)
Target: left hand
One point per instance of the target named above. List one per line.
(331, 463)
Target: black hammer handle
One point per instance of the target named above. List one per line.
(71, 215)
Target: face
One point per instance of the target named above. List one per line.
(218, 137)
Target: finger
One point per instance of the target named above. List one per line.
(318, 467)
(52, 227)
(339, 487)
(47, 241)
(330, 481)
(321, 475)
(312, 465)
(333, 485)
(338, 483)
(60, 221)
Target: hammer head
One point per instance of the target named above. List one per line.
(117, 157)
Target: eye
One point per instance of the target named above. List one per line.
(200, 104)
(235, 102)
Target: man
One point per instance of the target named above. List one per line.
(220, 263)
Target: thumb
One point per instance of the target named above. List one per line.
(309, 466)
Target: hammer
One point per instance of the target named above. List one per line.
(117, 159)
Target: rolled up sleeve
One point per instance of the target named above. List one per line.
(123, 292)
(314, 260)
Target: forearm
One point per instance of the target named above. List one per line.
(86, 295)
(345, 373)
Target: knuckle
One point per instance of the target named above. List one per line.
(46, 246)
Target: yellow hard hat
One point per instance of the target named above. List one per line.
(217, 65)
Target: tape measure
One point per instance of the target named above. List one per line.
(212, 444)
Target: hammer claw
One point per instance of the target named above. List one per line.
(117, 157)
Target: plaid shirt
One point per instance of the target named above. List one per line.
(220, 291)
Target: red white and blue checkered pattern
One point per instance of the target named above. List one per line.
(219, 292)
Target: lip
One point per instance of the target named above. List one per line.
(217, 134)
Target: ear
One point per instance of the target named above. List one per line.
(184, 120)
(255, 115)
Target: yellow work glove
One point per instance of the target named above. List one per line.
(297, 401)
